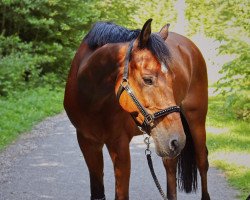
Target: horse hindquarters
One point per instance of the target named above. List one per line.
(191, 76)
(93, 156)
(195, 109)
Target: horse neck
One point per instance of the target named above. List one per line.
(97, 77)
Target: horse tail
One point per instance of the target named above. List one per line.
(187, 169)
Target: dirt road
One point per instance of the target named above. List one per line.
(47, 164)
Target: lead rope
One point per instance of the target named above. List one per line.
(151, 167)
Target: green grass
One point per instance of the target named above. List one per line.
(238, 177)
(235, 138)
(20, 112)
(237, 134)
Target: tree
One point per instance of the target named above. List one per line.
(39, 38)
(228, 22)
(162, 12)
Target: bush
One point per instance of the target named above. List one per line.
(240, 104)
(19, 68)
(39, 38)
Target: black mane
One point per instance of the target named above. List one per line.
(106, 32)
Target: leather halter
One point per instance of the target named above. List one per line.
(149, 119)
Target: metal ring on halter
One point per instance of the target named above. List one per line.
(124, 83)
(149, 119)
(147, 152)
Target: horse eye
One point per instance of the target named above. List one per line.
(148, 80)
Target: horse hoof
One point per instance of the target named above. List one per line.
(205, 196)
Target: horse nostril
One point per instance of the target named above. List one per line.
(173, 144)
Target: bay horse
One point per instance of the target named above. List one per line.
(159, 79)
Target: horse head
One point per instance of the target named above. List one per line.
(146, 76)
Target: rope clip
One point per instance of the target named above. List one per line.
(147, 142)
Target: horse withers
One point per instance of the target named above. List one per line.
(123, 79)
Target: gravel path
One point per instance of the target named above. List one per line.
(47, 164)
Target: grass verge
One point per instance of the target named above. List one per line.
(237, 176)
(233, 139)
(20, 112)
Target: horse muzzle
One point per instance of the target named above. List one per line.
(169, 146)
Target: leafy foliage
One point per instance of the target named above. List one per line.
(19, 67)
(38, 38)
(162, 12)
(228, 22)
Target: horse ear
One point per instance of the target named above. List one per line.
(145, 33)
(164, 31)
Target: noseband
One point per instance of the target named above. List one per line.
(149, 119)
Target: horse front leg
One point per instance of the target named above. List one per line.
(120, 155)
(92, 152)
(170, 167)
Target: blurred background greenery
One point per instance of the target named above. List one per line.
(38, 39)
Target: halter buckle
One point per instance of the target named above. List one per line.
(149, 120)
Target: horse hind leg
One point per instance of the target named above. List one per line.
(202, 160)
(198, 133)
(202, 164)
(203, 168)
(92, 152)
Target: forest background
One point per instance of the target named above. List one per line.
(38, 40)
